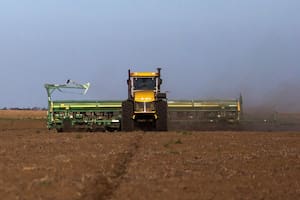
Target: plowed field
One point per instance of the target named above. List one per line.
(39, 164)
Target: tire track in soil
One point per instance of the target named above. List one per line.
(101, 187)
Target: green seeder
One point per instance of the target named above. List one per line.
(65, 115)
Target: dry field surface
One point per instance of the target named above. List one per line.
(39, 164)
(22, 114)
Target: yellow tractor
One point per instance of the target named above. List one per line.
(146, 107)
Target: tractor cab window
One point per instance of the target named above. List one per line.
(144, 83)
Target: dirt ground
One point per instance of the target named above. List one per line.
(39, 164)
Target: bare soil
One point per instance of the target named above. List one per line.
(39, 164)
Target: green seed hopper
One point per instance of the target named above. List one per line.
(86, 115)
(213, 111)
(65, 115)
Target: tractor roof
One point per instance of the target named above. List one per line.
(144, 74)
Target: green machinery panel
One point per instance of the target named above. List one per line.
(106, 115)
(205, 110)
(89, 115)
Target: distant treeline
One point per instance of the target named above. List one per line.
(17, 108)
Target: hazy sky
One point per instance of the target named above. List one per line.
(207, 49)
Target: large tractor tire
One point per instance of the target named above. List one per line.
(67, 125)
(162, 114)
(127, 123)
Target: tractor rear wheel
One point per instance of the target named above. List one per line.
(162, 114)
(127, 123)
(67, 125)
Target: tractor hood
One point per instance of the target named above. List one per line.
(144, 96)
